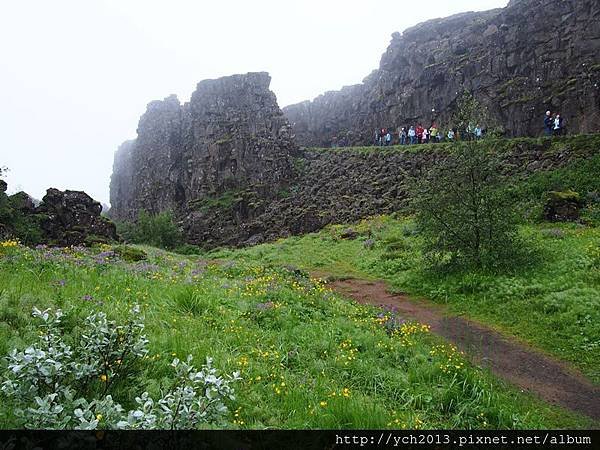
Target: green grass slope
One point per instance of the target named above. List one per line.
(554, 303)
(308, 359)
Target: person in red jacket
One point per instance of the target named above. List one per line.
(419, 131)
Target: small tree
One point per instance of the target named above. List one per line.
(158, 230)
(462, 209)
(470, 112)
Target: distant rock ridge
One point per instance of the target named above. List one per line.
(519, 61)
(230, 136)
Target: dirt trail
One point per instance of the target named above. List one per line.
(532, 371)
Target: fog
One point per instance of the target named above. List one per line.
(76, 75)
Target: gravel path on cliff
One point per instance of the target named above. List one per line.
(510, 360)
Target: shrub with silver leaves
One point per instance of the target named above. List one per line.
(47, 383)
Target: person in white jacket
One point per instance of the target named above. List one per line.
(412, 135)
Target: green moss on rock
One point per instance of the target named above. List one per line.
(130, 254)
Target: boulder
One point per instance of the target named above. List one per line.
(349, 233)
(562, 206)
(73, 218)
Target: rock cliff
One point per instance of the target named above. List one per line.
(519, 61)
(345, 185)
(230, 136)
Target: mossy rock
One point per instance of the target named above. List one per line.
(563, 196)
(562, 206)
(93, 239)
(130, 254)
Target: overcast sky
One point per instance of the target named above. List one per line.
(75, 75)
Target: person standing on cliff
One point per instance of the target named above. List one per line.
(558, 125)
(412, 135)
(548, 123)
(382, 137)
(419, 132)
(433, 132)
(403, 136)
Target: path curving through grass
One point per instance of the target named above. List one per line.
(507, 358)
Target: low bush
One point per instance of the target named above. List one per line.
(130, 254)
(57, 384)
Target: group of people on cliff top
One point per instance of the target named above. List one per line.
(554, 125)
(419, 135)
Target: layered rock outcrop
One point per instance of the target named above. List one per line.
(345, 185)
(230, 136)
(519, 61)
(73, 218)
(62, 218)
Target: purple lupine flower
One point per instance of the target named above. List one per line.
(265, 306)
(105, 257)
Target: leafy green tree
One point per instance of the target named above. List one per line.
(158, 230)
(462, 208)
(470, 113)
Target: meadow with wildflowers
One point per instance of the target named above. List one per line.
(305, 357)
(551, 301)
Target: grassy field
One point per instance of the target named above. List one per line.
(308, 359)
(553, 303)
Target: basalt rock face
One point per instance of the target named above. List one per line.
(231, 136)
(519, 61)
(346, 185)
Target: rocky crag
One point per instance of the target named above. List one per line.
(228, 165)
(62, 218)
(519, 61)
(230, 136)
(233, 175)
(346, 185)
